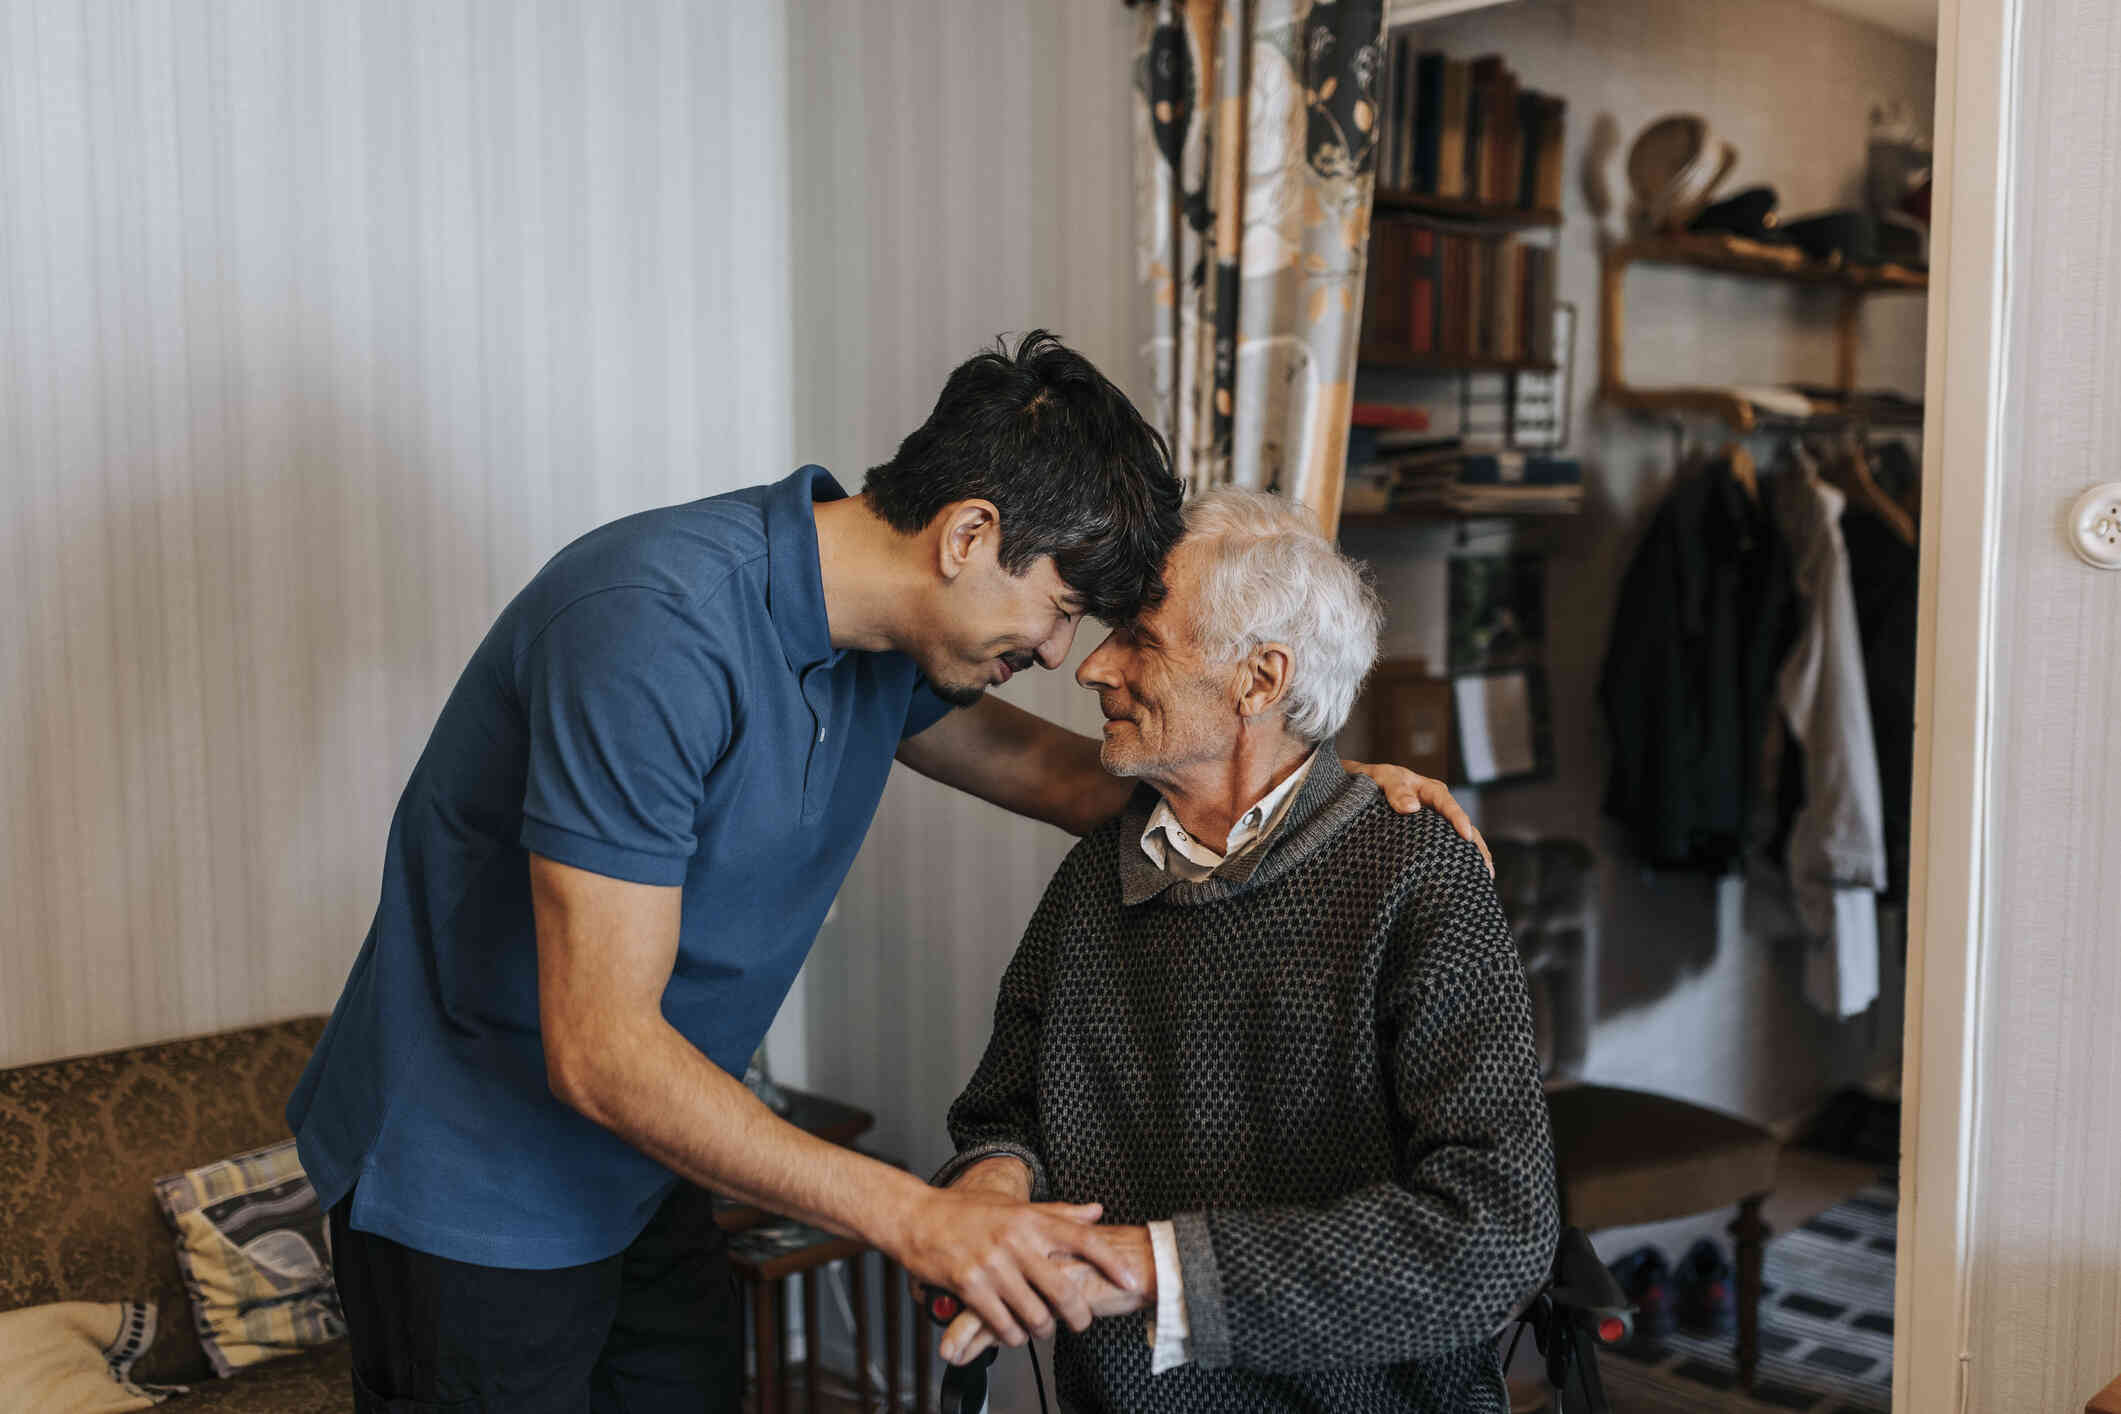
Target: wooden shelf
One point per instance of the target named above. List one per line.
(1737, 412)
(1408, 520)
(1743, 415)
(1404, 519)
(1733, 255)
(1383, 357)
(1453, 208)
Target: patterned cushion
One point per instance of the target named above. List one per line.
(82, 1142)
(251, 1245)
(76, 1356)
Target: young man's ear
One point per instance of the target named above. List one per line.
(1263, 680)
(966, 528)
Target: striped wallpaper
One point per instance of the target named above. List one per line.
(321, 326)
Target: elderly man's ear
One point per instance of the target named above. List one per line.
(1263, 680)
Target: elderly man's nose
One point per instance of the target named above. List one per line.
(1096, 670)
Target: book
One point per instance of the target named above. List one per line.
(1539, 304)
(1451, 135)
(1509, 297)
(1439, 293)
(1428, 117)
(1528, 303)
(1420, 291)
(1388, 415)
(1384, 307)
(1550, 172)
(1482, 75)
(1403, 119)
(1476, 297)
(1503, 141)
(1531, 127)
(1505, 468)
(1406, 446)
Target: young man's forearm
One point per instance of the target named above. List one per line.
(653, 1089)
(1021, 762)
(1004, 1256)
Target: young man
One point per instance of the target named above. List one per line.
(1278, 1028)
(614, 854)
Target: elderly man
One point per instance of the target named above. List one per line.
(1275, 1026)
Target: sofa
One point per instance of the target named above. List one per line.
(81, 1144)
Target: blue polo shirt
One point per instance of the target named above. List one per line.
(661, 704)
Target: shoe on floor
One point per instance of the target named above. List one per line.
(1642, 1274)
(1708, 1303)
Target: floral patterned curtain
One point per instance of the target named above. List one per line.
(1255, 126)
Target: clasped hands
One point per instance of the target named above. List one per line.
(1079, 1269)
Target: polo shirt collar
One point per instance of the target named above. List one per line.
(795, 584)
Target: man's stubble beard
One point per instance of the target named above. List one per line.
(956, 694)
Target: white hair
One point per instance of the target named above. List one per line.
(1268, 576)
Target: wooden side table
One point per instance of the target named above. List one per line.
(763, 1265)
(2106, 1401)
(765, 1258)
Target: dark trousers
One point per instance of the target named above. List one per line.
(656, 1329)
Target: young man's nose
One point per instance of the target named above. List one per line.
(1054, 651)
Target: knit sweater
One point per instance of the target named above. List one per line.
(1319, 1064)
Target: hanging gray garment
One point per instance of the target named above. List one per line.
(1836, 854)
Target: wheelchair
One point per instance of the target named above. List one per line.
(1579, 1309)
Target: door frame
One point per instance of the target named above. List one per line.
(1949, 933)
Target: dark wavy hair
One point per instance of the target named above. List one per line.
(1074, 470)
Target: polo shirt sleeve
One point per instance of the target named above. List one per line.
(628, 705)
(925, 710)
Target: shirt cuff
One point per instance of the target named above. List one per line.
(613, 861)
(1169, 1339)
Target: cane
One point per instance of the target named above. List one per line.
(964, 1386)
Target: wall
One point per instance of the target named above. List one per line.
(2046, 1237)
(1701, 998)
(321, 327)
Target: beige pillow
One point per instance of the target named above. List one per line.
(76, 1356)
(252, 1246)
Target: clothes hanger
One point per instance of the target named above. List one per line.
(1906, 490)
(1849, 471)
(1743, 471)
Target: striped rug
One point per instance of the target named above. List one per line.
(1826, 1328)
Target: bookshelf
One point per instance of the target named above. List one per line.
(1731, 255)
(1408, 519)
(1388, 356)
(1461, 279)
(1399, 202)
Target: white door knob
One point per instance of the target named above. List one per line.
(2095, 526)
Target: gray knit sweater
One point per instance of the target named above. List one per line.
(1319, 1064)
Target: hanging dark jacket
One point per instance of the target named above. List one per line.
(1706, 614)
(1884, 573)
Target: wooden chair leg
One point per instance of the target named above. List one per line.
(810, 1338)
(858, 1264)
(766, 1345)
(1752, 1233)
(893, 1286)
(924, 1391)
(782, 1393)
